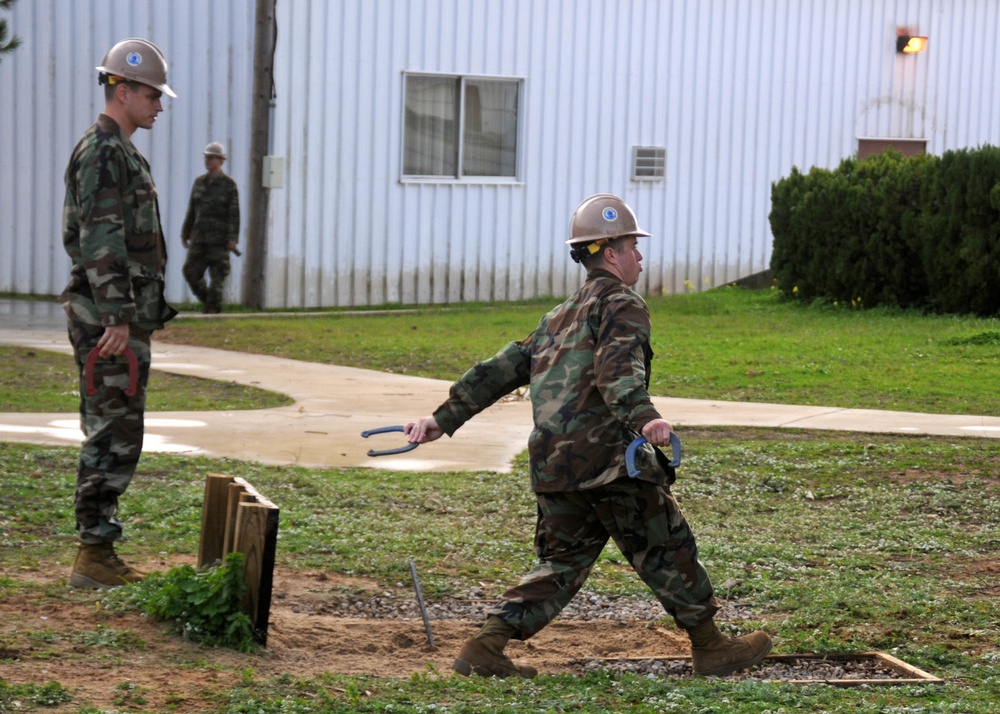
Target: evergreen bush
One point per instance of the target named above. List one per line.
(913, 232)
(961, 222)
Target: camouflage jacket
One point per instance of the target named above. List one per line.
(112, 233)
(213, 214)
(588, 365)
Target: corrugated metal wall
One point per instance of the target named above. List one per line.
(737, 91)
(49, 96)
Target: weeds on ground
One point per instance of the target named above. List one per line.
(204, 606)
(19, 697)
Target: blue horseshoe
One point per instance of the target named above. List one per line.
(387, 452)
(675, 447)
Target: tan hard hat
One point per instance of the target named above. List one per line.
(137, 60)
(600, 218)
(215, 149)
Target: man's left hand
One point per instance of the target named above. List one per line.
(114, 340)
(657, 432)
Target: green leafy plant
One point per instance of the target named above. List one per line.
(14, 696)
(128, 694)
(108, 638)
(205, 605)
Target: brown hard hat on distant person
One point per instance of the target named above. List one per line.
(136, 60)
(215, 149)
(599, 219)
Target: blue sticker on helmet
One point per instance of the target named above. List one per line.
(610, 214)
(134, 59)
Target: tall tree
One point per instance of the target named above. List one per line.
(15, 41)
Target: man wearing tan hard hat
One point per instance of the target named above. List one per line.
(115, 298)
(211, 229)
(595, 470)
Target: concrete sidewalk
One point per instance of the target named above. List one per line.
(333, 405)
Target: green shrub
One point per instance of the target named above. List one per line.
(793, 237)
(204, 605)
(887, 265)
(913, 232)
(961, 226)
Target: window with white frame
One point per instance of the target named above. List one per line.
(457, 127)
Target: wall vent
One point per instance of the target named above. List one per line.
(649, 163)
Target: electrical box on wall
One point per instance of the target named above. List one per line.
(273, 172)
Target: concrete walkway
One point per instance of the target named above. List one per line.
(333, 405)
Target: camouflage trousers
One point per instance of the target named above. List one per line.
(572, 529)
(112, 425)
(215, 260)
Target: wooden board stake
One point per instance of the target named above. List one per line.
(213, 519)
(257, 539)
(236, 517)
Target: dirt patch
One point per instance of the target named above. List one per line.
(938, 477)
(116, 661)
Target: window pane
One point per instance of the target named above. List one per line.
(489, 142)
(431, 141)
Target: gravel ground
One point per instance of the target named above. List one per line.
(585, 606)
(592, 606)
(772, 670)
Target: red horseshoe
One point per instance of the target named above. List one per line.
(133, 371)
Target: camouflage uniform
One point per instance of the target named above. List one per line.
(111, 231)
(588, 366)
(212, 222)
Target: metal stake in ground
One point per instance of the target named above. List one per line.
(420, 602)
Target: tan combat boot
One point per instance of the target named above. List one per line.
(714, 654)
(98, 566)
(482, 654)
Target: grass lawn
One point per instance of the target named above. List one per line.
(834, 542)
(727, 344)
(38, 381)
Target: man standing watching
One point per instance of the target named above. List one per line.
(114, 299)
(211, 229)
(588, 366)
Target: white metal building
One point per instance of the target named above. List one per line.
(431, 151)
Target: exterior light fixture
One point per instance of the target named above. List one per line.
(910, 44)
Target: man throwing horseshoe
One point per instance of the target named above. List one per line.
(588, 366)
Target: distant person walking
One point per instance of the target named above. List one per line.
(211, 230)
(114, 300)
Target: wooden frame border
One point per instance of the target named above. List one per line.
(910, 674)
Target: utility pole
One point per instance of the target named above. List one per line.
(255, 265)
